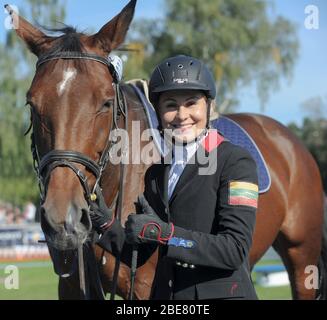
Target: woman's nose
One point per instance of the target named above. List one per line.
(182, 113)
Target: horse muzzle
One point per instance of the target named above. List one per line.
(64, 238)
(68, 234)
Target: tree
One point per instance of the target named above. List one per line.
(17, 179)
(236, 38)
(315, 107)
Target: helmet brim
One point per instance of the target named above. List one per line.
(182, 86)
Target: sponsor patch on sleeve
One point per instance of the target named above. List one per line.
(243, 194)
(180, 242)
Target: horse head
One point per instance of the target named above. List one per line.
(72, 99)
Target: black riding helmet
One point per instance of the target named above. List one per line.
(181, 72)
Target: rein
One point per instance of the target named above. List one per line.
(69, 158)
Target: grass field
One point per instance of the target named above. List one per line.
(35, 283)
(39, 282)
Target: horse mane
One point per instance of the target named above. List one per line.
(68, 40)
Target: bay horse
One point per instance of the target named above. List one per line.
(72, 99)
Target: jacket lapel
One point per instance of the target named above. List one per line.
(162, 184)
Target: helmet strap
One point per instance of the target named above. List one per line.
(208, 112)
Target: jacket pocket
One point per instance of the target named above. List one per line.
(218, 289)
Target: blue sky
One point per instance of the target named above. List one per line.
(310, 73)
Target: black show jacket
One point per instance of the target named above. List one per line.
(208, 258)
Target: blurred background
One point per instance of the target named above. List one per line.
(268, 57)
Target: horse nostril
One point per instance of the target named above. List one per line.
(86, 220)
(47, 224)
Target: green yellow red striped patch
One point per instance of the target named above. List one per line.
(243, 194)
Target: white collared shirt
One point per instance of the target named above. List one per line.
(181, 156)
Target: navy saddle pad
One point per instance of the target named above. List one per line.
(237, 135)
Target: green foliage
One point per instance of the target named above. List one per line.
(17, 178)
(236, 38)
(313, 133)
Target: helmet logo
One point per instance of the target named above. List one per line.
(180, 80)
(180, 76)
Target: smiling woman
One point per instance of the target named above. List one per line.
(181, 90)
(184, 112)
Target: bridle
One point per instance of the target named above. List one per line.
(68, 158)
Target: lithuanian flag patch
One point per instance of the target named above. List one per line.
(243, 194)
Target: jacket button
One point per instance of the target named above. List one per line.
(192, 266)
(185, 265)
(178, 263)
(170, 283)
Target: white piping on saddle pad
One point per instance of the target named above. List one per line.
(153, 122)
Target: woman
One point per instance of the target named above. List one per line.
(200, 209)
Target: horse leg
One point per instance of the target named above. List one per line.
(296, 256)
(264, 236)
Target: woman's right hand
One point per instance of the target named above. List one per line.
(101, 216)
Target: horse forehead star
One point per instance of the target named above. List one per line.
(68, 76)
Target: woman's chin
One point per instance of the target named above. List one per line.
(184, 138)
(187, 136)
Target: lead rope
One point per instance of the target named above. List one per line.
(81, 273)
(135, 247)
(121, 188)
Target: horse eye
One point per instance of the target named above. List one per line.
(109, 104)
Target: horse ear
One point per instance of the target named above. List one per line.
(33, 37)
(112, 34)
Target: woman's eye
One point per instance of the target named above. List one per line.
(170, 106)
(191, 103)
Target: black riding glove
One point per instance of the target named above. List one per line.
(101, 216)
(147, 227)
